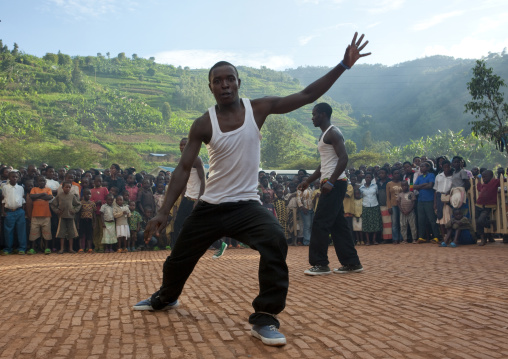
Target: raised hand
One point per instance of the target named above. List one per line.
(352, 53)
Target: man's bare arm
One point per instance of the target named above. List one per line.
(198, 164)
(337, 141)
(180, 175)
(277, 105)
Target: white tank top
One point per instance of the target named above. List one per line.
(234, 161)
(193, 184)
(329, 158)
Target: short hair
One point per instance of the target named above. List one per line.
(220, 64)
(407, 162)
(66, 182)
(116, 166)
(445, 162)
(325, 108)
(415, 157)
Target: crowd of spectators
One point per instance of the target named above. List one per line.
(47, 210)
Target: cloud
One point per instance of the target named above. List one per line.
(385, 6)
(373, 25)
(304, 40)
(468, 48)
(80, 9)
(199, 59)
(487, 24)
(435, 20)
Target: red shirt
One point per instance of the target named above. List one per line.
(99, 194)
(488, 193)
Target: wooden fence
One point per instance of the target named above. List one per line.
(499, 213)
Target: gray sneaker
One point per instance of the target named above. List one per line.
(220, 251)
(318, 270)
(349, 268)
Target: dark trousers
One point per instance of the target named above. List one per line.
(184, 211)
(248, 222)
(482, 216)
(426, 216)
(329, 219)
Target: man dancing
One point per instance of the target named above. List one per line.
(230, 205)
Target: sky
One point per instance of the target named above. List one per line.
(278, 34)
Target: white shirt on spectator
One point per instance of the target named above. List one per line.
(14, 196)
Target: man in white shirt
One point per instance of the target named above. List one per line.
(13, 209)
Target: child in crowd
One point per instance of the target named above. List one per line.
(294, 223)
(393, 188)
(75, 189)
(13, 211)
(135, 220)
(108, 224)
(145, 198)
(126, 197)
(131, 187)
(28, 184)
(121, 213)
(348, 203)
(66, 205)
(114, 191)
(280, 208)
(457, 226)
(99, 195)
(406, 203)
(267, 203)
(86, 221)
(85, 184)
(41, 215)
(159, 195)
(357, 216)
(150, 243)
(487, 201)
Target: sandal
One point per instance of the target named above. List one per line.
(90, 250)
(81, 251)
(453, 245)
(443, 244)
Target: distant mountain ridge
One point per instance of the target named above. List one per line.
(407, 101)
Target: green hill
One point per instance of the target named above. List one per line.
(112, 107)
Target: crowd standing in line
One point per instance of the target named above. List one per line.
(90, 211)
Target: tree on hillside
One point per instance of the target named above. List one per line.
(488, 105)
(166, 112)
(350, 147)
(63, 59)
(51, 57)
(15, 50)
(121, 56)
(278, 145)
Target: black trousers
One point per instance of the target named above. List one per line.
(248, 222)
(329, 219)
(184, 211)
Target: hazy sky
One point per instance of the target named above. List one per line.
(278, 34)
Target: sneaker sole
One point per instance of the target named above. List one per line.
(317, 273)
(349, 271)
(277, 342)
(149, 307)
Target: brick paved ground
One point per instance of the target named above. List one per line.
(412, 301)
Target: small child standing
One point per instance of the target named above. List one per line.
(406, 203)
(134, 225)
(145, 198)
(108, 224)
(158, 196)
(41, 215)
(86, 221)
(357, 216)
(267, 203)
(66, 205)
(99, 195)
(121, 212)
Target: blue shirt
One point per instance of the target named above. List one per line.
(426, 195)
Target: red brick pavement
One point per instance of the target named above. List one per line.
(412, 301)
